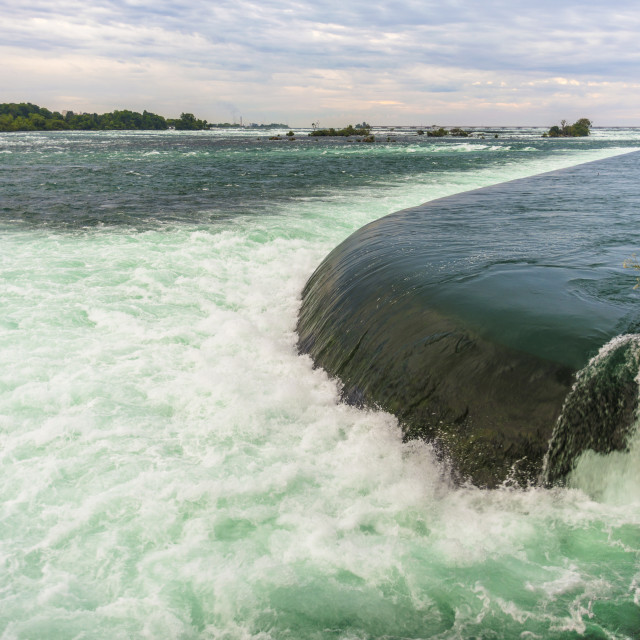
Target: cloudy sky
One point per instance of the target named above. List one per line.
(501, 62)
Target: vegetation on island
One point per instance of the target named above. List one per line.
(25, 116)
(350, 130)
(441, 132)
(253, 125)
(578, 129)
(362, 130)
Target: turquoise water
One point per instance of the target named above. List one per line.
(171, 468)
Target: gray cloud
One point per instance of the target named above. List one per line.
(462, 48)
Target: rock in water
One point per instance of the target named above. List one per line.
(601, 411)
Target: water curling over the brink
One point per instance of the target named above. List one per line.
(471, 336)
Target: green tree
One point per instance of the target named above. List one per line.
(6, 122)
(188, 122)
(578, 129)
(632, 263)
(39, 121)
(56, 124)
(25, 116)
(23, 124)
(581, 127)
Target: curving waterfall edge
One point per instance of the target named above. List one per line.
(465, 319)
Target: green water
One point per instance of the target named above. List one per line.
(171, 468)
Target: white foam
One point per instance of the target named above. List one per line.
(612, 478)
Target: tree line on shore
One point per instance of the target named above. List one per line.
(25, 116)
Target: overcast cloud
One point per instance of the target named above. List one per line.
(447, 62)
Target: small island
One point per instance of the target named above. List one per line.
(578, 129)
(441, 132)
(363, 130)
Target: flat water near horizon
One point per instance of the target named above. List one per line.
(171, 468)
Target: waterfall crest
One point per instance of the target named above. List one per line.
(469, 316)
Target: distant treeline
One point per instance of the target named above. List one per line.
(25, 116)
